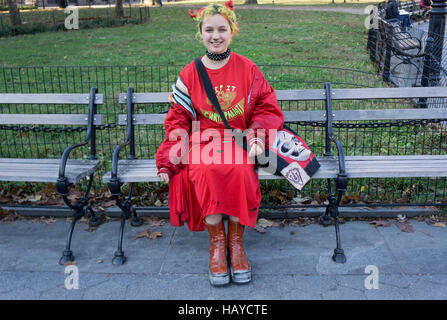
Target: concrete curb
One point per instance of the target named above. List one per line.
(348, 212)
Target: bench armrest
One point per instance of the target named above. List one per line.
(342, 178)
(114, 184)
(62, 183)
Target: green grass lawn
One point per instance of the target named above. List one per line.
(266, 37)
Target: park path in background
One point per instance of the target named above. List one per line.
(288, 8)
(307, 8)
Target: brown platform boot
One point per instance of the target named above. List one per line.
(218, 271)
(240, 267)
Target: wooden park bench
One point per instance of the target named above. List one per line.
(64, 172)
(412, 8)
(402, 45)
(337, 167)
(389, 40)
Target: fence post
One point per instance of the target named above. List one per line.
(387, 63)
(436, 27)
(141, 16)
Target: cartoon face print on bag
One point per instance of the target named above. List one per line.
(289, 146)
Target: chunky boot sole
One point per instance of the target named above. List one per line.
(218, 280)
(240, 277)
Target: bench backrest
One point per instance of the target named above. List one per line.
(57, 102)
(48, 98)
(319, 95)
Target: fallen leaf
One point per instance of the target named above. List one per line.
(90, 229)
(301, 200)
(148, 234)
(4, 213)
(378, 223)
(108, 203)
(143, 234)
(158, 203)
(265, 223)
(259, 228)
(404, 226)
(305, 221)
(155, 235)
(153, 221)
(49, 220)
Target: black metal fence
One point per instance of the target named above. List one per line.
(361, 138)
(54, 20)
(405, 67)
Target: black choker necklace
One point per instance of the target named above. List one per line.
(219, 56)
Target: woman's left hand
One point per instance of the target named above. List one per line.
(255, 150)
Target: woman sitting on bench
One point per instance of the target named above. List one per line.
(393, 14)
(219, 176)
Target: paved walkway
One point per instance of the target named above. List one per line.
(289, 8)
(293, 262)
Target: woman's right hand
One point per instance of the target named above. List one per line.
(164, 177)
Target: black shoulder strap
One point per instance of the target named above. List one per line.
(209, 90)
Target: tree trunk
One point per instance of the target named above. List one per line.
(251, 2)
(119, 11)
(14, 13)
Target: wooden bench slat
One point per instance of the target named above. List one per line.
(49, 98)
(389, 114)
(312, 116)
(281, 95)
(155, 118)
(159, 118)
(147, 97)
(44, 170)
(318, 94)
(300, 95)
(389, 93)
(356, 167)
(62, 119)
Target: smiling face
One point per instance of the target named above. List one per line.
(216, 33)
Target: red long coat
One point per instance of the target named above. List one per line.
(209, 172)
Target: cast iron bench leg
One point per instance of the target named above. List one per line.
(79, 208)
(126, 212)
(332, 210)
(339, 255)
(67, 255)
(325, 219)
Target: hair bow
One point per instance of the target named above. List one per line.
(195, 13)
(229, 5)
